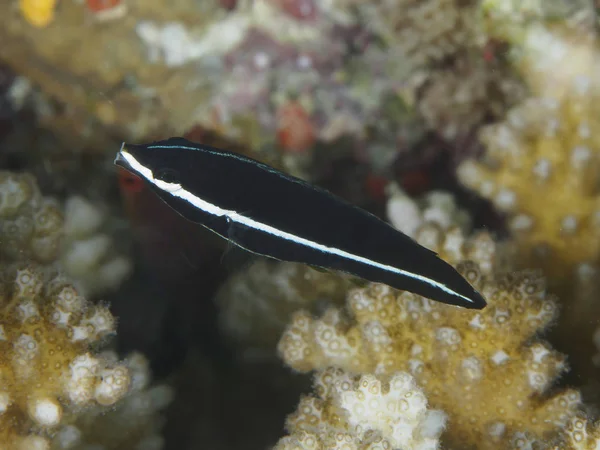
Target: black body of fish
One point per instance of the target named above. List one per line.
(266, 196)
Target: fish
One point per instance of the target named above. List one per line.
(267, 212)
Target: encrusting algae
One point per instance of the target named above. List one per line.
(486, 370)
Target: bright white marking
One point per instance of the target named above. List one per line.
(178, 191)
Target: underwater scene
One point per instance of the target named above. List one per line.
(299, 224)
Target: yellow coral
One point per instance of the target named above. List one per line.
(363, 412)
(542, 164)
(541, 169)
(47, 367)
(38, 13)
(481, 367)
(580, 434)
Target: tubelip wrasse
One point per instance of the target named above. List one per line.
(267, 212)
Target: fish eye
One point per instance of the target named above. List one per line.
(168, 175)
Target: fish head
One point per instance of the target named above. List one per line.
(169, 245)
(159, 166)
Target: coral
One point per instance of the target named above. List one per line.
(436, 222)
(442, 66)
(540, 169)
(426, 31)
(47, 367)
(451, 245)
(539, 58)
(88, 254)
(38, 13)
(437, 207)
(35, 228)
(363, 412)
(511, 20)
(580, 434)
(256, 303)
(486, 369)
(31, 226)
(457, 99)
(253, 60)
(134, 422)
(226, 33)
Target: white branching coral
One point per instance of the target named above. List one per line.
(70, 238)
(437, 207)
(132, 423)
(30, 225)
(47, 366)
(364, 412)
(88, 253)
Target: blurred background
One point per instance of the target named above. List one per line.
(470, 125)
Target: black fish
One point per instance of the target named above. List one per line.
(273, 214)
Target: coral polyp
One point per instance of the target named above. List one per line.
(363, 412)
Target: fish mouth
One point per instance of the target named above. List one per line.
(121, 161)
